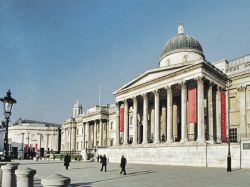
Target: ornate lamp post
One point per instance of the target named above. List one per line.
(229, 168)
(8, 102)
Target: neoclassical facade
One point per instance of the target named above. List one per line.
(88, 129)
(30, 137)
(185, 99)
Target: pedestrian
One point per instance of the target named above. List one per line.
(123, 165)
(37, 157)
(66, 160)
(104, 162)
(100, 158)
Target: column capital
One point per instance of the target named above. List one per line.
(211, 83)
(200, 79)
(242, 88)
(156, 91)
(183, 84)
(169, 89)
(219, 88)
(134, 99)
(144, 95)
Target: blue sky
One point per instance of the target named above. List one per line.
(54, 52)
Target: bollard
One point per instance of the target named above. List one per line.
(55, 181)
(8, 177)
(25, 177)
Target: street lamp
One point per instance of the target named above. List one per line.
(8, 102)
(229, 168)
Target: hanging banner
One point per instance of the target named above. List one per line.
(26, 147)
(223, 117)
(121, 119)
(192, 107)
(36, 147)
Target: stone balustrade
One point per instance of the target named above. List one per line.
(25, 177)
(55, 181)
(8, 175)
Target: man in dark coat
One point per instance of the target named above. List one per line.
(123, 165)
(100, 158)
(104, 162)
(66, 161)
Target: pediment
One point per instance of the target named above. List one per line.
(149, 76)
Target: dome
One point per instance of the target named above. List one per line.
(181, 43)
(77, 104)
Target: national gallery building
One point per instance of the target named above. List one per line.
(176, 114)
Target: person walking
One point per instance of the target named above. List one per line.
(100, 158)
(104, 162)
(123, 165)
(66, 160)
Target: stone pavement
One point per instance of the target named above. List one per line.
(88, 174)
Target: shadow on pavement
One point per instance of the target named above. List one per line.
(88, 184)
(29, 163)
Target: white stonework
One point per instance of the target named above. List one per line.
(31, 136)
(156, 117)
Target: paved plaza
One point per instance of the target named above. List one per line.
(89, 174)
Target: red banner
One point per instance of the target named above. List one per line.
(26, 147)
(192, 107)
(36, 147)
(223, 117)
(122, 119)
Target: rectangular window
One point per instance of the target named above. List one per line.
(233, 134)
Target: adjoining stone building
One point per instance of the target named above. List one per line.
(28, 138)
(88, 129)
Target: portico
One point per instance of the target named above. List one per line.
(175, 102)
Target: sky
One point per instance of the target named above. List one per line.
(54, 52)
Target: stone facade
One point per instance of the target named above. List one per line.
(28, 138)
(184, 107)
(89, 129)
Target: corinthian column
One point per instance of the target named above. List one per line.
(183, 112)
(117, 125)
(95, 133)
(125, 122)
(145, 118)
(100, 133)
(157, 116)
(210, 112)
(134, 120)
(201, 130)
(242, 107)
(218, 115)
(169, 115)
(87, 135)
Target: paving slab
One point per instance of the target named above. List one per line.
(88, 174)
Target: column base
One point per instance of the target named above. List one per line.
(201, 140)
(170, 141)
(157, 142)
(145, 142)
(184, 140)
(211, 141)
